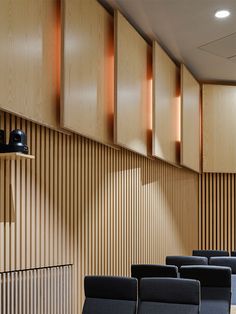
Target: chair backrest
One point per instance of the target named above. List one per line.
(144, 270)
(106, 295)
(168, 296)
(186, 260)
(224, 261)
(210, 253)
(215, 287)
(233, 253)
(209, 276)
(140, 271)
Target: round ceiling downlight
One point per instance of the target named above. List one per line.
(222, 14)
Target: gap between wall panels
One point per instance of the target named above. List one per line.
(84, 203)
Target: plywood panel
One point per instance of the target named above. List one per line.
(219, 128)
(84, 203)
(29, 59)
(217, 209)
(133, 101)
(190, 120)
(87, 105)
(166, 107)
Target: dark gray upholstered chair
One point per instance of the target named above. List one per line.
(186, 260)
(228, 262)
(210, 253)
(110, 295)
(215, 287)
(144, 271)
(233, 253)
(169, 296)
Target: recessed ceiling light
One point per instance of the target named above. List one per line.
(221, 14)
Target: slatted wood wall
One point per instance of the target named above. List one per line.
(87, 204)
(217, 218)
(37, 291)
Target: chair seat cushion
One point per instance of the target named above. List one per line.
(108, 306)
(233, 290)
(164, 308)
(216, 307)
(215, 300)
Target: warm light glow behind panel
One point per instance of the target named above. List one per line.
(190, 121)
(166, 107)
(219, 128)
(87, 105)
(28, 59)
(84, 203)
(133, 95)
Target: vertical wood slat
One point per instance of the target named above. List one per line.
(217, 208)
(84, 203)
(35, 293)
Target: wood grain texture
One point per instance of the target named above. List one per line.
(217, 206)
(166, 107)
(133, 76)
(87, 104)
(28, 60)
(219, 129)
(190, 121)
(98, 208)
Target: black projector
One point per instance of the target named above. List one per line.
(17, 143)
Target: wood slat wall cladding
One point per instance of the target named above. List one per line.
(84, 203)
(37, 291)
(29, 59)
(217, 219)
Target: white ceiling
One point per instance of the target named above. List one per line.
(184, 28)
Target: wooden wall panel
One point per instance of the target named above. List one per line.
(87, 105)
(84, 203)
(29, 34)
(217, 207)
(166, 107)
(133, 91)
(190, 120)
(38, 291)
(219, 130)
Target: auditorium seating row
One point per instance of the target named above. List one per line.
(118, 295)
(186, 285)
(200, 289)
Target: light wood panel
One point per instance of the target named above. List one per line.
(29, 34)
(84, 203)
(219, 128)
(217, 207)
(38, 291)
(87, 104)
(190, 120)
(166, 107)
(133, 76)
